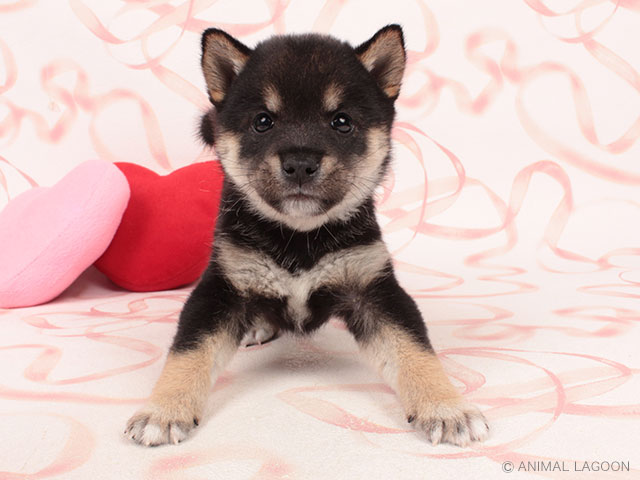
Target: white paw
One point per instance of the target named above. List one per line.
(150, 428)
(458, 424)
(259, 334)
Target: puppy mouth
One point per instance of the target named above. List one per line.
(301, 197)
(301, 204)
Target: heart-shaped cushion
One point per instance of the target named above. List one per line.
(50, 235)
(165, 237)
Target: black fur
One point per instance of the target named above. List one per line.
(299, 68)
(206, 128)
(302, 127)
(292, 250)
(212, 305)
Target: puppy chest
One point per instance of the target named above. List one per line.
(269, 280)
(255, 273)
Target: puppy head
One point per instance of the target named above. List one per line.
(302, 122)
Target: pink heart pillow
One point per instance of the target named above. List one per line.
(49, 236)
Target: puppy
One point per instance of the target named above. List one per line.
(302, 127)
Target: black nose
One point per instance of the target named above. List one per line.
(300, 167)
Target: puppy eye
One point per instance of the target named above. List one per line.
(262, 123)
(342, 123)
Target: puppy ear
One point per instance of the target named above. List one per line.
(223, 57)
(383, 55)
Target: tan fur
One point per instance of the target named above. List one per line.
(415, 373)
(272, 99)
(364, 177)
(332, 98)
(179, 396)
(191, 372)
(228, 149)
(329, 163)
(253, 272)
(218, 49)
(429, 399)
(387, 48)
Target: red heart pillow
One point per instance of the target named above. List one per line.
(165, 237)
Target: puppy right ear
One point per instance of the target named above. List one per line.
(223, 57)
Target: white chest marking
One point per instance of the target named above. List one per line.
(254, 272)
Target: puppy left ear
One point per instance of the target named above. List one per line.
(384, 56)
(223, 57)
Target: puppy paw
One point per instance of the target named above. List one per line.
(458, 424)
(151, 427)
(259, 334)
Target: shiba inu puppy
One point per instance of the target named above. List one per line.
(302, 127)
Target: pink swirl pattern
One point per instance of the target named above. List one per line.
(512, 213)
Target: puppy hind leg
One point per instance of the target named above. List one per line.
(259, 333)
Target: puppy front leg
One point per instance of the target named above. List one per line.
(391, 333)
(208, 335)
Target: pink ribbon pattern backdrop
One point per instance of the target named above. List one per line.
(513, 214)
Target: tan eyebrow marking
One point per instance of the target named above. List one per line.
(272, 99)
(332, 97)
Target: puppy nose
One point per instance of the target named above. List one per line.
(300, 168)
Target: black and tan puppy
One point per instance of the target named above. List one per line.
(302, 127)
